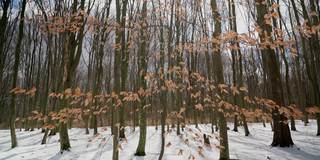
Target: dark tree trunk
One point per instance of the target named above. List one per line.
(12, 117)
(124, 67)
(282, 135)
(235, 124)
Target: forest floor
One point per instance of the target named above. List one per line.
(184, 147)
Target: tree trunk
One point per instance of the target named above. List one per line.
(224, 150)
(117, 87)
(143, 66)
(282, 135)
(162, 92)
(44, 139)
(17, 53)
(235, 124)
(124, 66)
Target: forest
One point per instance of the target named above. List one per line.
(160, 79)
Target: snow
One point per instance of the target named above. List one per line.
(89, 147)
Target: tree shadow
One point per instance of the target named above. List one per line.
(295, 152)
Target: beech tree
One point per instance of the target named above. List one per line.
(282, 134)
(17, 55)
(142, 70)
(224, 151)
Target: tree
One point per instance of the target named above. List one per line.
(281, 135)
(142, 68)
(72, 50)
(124, 63)
(237, 68)
(163, 95)
(224, 150)
(15, 75)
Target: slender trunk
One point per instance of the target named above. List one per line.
(17, 55)
(143, 66)
(235, 124)
(95, 124)
(162, 93)
(224, 147)
(44, 139)
(245, 125)
(124, 67)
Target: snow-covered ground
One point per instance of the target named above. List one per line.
(184, 147)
